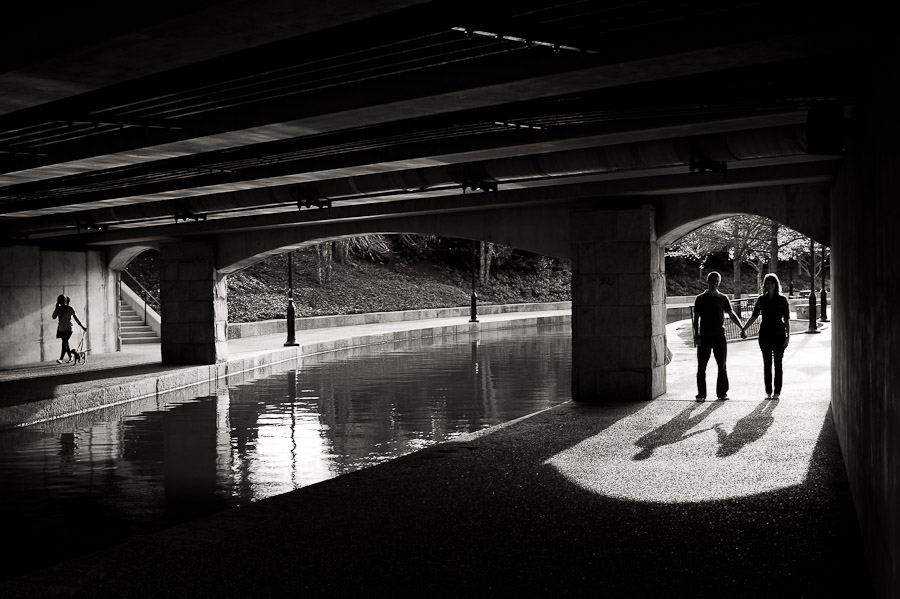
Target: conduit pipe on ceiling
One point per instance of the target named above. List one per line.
(726, 147)
(636, 156)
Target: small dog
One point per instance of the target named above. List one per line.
(78, 354)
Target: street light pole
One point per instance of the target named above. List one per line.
(290, 307)
(824, 293)
(812, 287)
(474, 310)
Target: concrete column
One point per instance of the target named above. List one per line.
(865, 319)
(194, 309)
(618, 306)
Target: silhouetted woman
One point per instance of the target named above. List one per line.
(66, 313)
(774, 331)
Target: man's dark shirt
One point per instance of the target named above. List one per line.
(711, 310)
(775, 313)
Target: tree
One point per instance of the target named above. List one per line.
(323, 262)
(341, 250)
(486, 251)
(741, 236)
(375, 247)
(491, 253)
(752, 240)
(749, 243)
(698, 245)
(806, 262)
(768, 248)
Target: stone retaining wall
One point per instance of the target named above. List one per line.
(269, 327)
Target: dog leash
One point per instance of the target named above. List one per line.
(79, 353)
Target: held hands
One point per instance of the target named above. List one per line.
(743, 333)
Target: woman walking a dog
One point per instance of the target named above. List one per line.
(66, 313)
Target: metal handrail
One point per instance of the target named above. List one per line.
(144, 295)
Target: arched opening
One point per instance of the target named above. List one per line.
(743, 249)
(680, 450)
(140, 307)
(391, 272)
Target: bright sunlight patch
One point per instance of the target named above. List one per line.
(686, 452)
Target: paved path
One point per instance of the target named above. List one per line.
(664, 498)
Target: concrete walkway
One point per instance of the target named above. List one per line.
(664, 498)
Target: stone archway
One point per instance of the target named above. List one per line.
(804, 208)
(120, 256)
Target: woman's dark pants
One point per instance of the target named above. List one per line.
(772, 350)
(65, 344)
(718, 346)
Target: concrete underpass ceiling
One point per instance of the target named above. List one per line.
(252, 114)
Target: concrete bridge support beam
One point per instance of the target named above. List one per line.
(194, 309)
(865, 362)
(618, 306)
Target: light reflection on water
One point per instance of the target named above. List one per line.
(78, 484)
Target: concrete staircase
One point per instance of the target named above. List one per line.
(132, 328)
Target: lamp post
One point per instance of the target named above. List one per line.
(290, 307)
(474, 310)
(824, 293)
(812, 287)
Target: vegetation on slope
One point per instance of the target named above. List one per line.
(378, 282)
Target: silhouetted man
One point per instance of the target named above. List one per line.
(709, 334)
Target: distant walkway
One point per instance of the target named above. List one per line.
(665, 498)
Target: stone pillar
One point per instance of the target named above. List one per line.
(618, 306)
(194, 309)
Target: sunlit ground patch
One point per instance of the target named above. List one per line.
(683, 452)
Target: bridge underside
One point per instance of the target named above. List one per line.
(568, 129)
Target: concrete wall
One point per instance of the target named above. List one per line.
(30, 281)
(865, 366)
(237, 330)
(541, 229)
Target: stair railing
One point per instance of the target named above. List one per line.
(144, 294)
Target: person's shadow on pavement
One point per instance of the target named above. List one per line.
(748, 429)
(674, 430)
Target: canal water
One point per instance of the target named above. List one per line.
(75, 485)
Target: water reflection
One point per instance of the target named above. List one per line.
(74, 485)
(334, 417)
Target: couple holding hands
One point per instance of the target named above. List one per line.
(710, 308)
